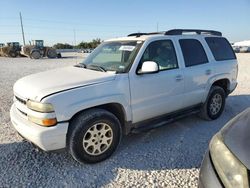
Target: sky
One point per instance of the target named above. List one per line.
(73, 21)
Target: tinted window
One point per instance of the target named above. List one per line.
(220, 48)
(161, 52)
(193, 52)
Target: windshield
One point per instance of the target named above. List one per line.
(114, 56)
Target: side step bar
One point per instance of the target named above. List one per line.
(163, 120)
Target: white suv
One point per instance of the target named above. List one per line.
(125, 85)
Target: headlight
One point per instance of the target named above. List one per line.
(230, 170)
(44, 108)
(40, 107)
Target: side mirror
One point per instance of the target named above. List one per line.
(149, 67)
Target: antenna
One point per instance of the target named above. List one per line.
(21, 20)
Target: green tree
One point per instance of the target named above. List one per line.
(82, 45)
(63, 46)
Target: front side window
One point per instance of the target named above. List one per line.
(193, 52)
(114, 56)
(161, 52)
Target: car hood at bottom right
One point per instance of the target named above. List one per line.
(236, 136)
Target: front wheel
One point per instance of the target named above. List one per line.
(13, 54)
(35, 55)
(215, 103)
(93, 136)
(51, 53)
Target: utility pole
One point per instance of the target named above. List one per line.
(75, 44)
(157, 27)
(21, 20)
(74, 37)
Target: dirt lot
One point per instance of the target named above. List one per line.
(169, 156)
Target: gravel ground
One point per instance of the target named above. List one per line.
(169, 156)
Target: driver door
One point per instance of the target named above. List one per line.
(158, 93)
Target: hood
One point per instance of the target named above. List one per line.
(37, 86)
(236, 135)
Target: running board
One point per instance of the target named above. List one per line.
(163, 120)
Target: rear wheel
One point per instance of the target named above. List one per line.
(214, 105)
(93, 136)
(35, 55)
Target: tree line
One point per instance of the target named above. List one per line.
(82, 45)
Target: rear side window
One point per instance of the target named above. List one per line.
(220, 48)
(193, 52)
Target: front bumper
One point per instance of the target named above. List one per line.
(208, 177)
(233, 87)
(46, 138)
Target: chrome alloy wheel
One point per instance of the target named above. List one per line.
(216, 104)
(97, 139)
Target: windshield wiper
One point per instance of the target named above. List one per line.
(81, 65)
(97, 67)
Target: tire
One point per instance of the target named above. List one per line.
(35, 55)
(214, 105)
(51, 53)
(12, 54)
(93, 130)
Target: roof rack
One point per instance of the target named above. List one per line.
(197, 31)
(140, 34)
(179, 32)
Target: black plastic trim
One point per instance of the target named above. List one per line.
(180, 32)
(164, 119)
(197, 31)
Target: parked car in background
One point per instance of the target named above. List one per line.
(227, 161)
(244, 49)
(125, 85)
(236, 49)
(243, 46)
(86, 50)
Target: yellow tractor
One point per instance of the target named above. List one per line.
(12, 49)
(37, 50)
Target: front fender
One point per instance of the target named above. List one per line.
(95, 102)
(68, 103)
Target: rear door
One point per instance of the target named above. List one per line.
(197, 70)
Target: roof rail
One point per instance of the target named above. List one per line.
(197, 31)
(140, 34)
(179, 32)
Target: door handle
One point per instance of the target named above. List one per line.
(179, 78)
(208, 72)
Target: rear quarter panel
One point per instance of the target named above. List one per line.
(227, 69)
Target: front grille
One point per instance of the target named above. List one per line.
(21, 106)
(20, 100)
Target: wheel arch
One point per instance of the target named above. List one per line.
(222, 80)
(223, 83)
(115, 108)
